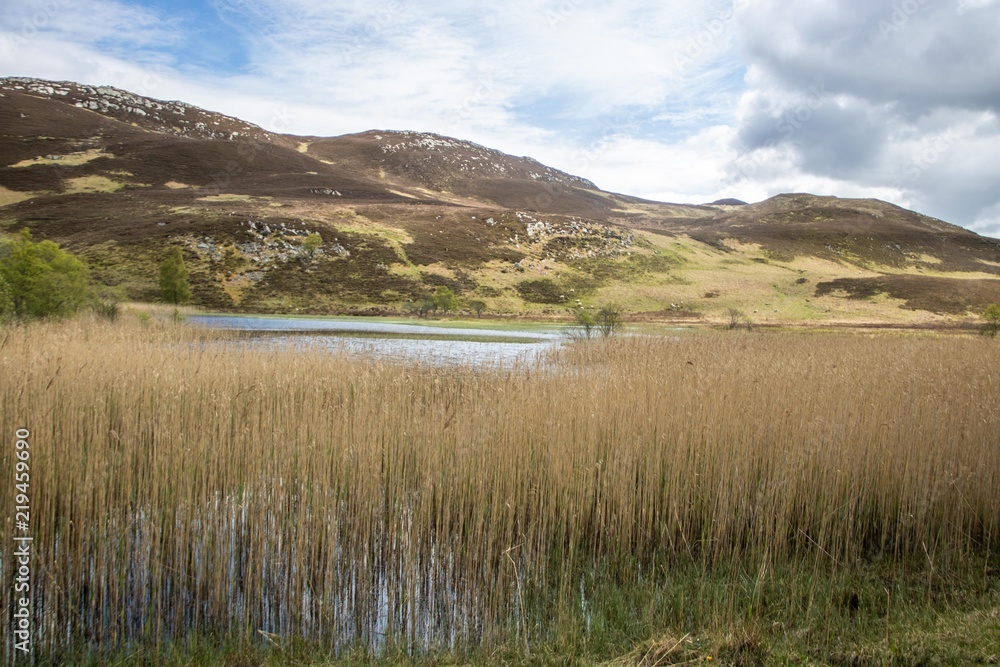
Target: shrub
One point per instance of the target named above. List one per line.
(312, 243)
(41, 279)
(107, 302)
(586, 322)
(737, 318)
(6, 300)
(609, 320)
(444, 299)
(477, 307)
(423, 308)
(174, 278)
(991, 326)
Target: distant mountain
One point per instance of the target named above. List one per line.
(445, 167)
(119, 177)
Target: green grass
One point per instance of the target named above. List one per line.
(8, 197)
(875, 614)
(442, 322)
(94, 184)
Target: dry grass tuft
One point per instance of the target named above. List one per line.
(660, 653)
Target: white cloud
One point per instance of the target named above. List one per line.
(690, 170)
(545, 78)
(90, 22)
(988, 222)
(908, 99)
(576, 59)
(649, 98)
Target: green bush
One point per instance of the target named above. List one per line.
(444, 299)
(609, 320)
(41, 279)
(991, 326)
(477, 306)
(586, 322)
(107, 302)
(6, 300)
(312, 243)
(174, 278)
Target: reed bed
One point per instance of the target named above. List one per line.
(185, 489)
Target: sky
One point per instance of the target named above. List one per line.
(668, 100)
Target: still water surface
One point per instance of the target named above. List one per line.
(411, 342)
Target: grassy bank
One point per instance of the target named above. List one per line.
(749, 499)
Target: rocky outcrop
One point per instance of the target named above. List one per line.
(175, 118)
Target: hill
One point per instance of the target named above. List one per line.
(117, 178)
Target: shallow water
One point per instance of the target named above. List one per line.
(410, 342)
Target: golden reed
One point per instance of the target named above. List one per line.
(185, 484)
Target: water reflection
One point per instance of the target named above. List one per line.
(409, 342)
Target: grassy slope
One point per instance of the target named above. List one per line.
(118, 194)
(684, 276)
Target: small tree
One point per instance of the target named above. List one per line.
(174, 278)
(477, 307)
(738, 318)
(426, 307)
(609, 320)
(586, 321)
(108, 302)
(991, 325)
(445, 299)
(312, 243)
(41, 279)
